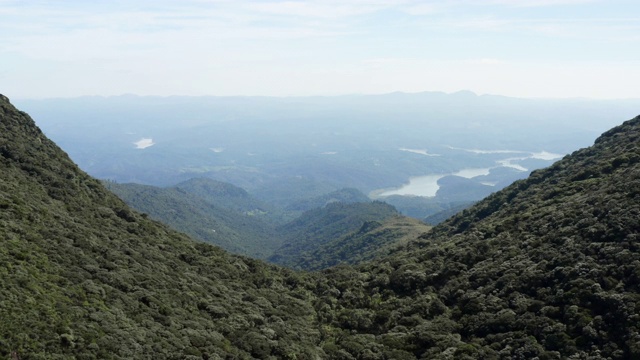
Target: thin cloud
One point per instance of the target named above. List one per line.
(538, 3)
(260, 47)
(486, 61)
(320, 9)
(593, 29)
(422, 9)
(382, 61)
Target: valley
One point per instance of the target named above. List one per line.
(546, 268)
(227, 216)
(320, 179)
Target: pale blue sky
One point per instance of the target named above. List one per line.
(525, 48)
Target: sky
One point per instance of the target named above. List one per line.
(520, 48)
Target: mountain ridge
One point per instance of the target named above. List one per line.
(84, 276)
(549, 267)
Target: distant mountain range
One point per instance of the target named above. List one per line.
(285, 151)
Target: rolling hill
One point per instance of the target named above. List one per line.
(373, 240)
(227, 216)
(317, 227)
(231, 197)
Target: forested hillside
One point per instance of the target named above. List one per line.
(345, 196)
(227, 216)
(373, 240)
(231, 197)
(547, 268)
(85, 277)
(443, 215)
(193, 208)
(317, 227)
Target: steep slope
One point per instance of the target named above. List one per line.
(85, 277)
(236, 232)
(548, 268)
(319, 226)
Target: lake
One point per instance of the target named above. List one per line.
(427, 185)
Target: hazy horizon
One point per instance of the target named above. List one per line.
(524, 49)
(19, 98)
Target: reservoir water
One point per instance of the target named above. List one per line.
(418, 185)
(427, 185)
